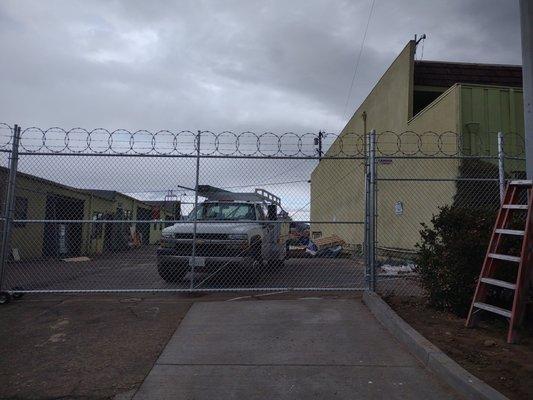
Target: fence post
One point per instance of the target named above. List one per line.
(501, 166)
(9, 203)
(320, 134)
(367, 209)
(195, 215)
(372, 197)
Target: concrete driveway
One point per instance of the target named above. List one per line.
(286, 349)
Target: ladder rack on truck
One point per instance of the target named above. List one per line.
(268, 197)
(212, 193)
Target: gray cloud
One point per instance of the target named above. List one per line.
(223, 65)
(235, 65)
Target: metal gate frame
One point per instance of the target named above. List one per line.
(369, 221)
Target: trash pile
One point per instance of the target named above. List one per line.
(394, 270)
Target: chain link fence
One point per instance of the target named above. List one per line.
(99, 210)
(419, 174)
(170, 210)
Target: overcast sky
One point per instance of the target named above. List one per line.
(274, 66)
(224, 65)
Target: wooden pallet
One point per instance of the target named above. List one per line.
(328, 241)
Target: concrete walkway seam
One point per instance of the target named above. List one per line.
(429, 354)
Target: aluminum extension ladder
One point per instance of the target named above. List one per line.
(495, 260)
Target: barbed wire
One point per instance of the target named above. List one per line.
(100, 141)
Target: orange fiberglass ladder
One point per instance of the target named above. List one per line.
(494, 260)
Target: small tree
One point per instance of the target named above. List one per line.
(450, 256)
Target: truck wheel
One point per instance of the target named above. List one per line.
(5, 297)
(257, 255)
(275, 265)
(17, 295)
(251, 273)
(171, 272)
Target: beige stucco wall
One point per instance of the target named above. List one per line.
(29, 237)
(420, 198)
(338, 186)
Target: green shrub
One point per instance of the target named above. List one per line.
(451, 254)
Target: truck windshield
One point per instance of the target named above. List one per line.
(224, 211)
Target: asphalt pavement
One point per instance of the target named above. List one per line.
(136, 269)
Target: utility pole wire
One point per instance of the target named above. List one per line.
(359, 57)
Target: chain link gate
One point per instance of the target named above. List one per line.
(180, 211)
(415, 175)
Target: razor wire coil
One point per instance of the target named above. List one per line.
(57, 140)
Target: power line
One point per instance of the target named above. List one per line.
(341, 178)
(265, 184)
(291, 169)
(359, 57)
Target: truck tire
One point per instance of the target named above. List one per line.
(5, 297)
(249, 274)
(171, 272)
(275, 265)
(257, 254)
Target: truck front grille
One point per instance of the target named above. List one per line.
(207, 236)
(210, 250)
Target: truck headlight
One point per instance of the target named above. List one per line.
(238, 236)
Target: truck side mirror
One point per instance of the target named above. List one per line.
(272, 212)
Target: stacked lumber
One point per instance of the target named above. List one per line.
(328, 241)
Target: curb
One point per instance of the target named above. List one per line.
(430, 355)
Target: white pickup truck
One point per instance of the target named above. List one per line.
(249, 230)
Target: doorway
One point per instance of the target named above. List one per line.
(62, 239)
(144, 214)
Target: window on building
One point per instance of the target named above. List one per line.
(21, 210)
(423, 98)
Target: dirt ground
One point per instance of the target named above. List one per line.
(482, 351)
(94, 346)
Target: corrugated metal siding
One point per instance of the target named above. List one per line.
(487, 110)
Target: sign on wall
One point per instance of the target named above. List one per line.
(398, 208)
